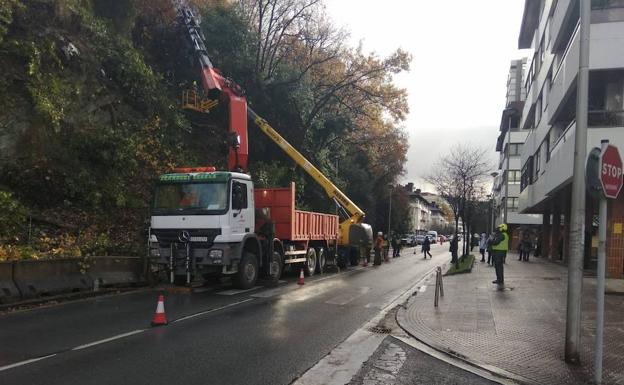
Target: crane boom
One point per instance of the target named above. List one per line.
(219, 89)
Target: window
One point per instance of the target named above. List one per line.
(527, 174)
(239, 188)
(536, 162)
(514, 149)
(514, 176)
(512, 203)
(546, 143)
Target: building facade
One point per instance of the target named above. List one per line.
(509, 145)
(551, 30)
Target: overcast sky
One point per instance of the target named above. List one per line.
(461, 54)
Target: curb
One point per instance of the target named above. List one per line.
(493, 370)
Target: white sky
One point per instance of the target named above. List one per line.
(457, 83)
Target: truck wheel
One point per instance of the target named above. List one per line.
(320, 264)
(247, 274)
(310, 264)
(354, 256)
(341, 259)
(274, 268)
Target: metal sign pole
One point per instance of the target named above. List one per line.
(600, 280)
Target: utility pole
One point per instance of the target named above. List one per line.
(577, 212)
(389, 210)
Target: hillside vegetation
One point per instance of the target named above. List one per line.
(91, 114)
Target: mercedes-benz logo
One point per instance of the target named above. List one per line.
(184, 236)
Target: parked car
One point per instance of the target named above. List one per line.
(419, 239)
(407, 240)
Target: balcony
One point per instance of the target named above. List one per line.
(606, 38)
(557, 172)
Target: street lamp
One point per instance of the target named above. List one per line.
(510, 112)
(389, 209)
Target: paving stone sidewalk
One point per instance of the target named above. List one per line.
(521, 329)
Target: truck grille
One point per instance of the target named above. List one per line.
(203, 237)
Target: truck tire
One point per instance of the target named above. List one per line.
(247, 274)
(354, 256)
(274, 269)
(320, 260)
(341, 258)
(309, 266)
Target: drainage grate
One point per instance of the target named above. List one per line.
(380, 330)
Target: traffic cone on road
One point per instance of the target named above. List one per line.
(159, 316)
(300, 282)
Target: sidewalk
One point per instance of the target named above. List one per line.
(520, 330)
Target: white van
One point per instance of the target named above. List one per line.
(433, 236)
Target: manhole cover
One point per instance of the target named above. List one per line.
(380, 330)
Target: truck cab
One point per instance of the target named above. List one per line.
(202, 223)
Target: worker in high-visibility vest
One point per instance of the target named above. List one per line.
(500, 246)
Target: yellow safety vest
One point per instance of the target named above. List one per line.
(504, 245)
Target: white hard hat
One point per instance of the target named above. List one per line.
(379, 233)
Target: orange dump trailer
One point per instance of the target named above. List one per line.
(307, 238)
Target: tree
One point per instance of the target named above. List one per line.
(459, 177)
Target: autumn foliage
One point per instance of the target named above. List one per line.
(91, 113)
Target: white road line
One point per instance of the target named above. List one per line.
(15, 365)
(210, 311)
(344, 361)
(237, 291)
(113, 338)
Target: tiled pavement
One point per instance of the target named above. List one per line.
(521, 329)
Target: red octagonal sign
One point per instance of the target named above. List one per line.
(611, 171)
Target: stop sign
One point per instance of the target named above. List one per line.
(611, 171)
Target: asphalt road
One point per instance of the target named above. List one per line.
(220, 336)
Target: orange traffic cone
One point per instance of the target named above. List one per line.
(159, 316)
(300, 282)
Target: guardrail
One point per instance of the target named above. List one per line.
(23, 280)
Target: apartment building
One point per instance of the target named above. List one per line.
(550, 28)
(419, 210)
(506, 187)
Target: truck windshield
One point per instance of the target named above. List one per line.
(190, 196)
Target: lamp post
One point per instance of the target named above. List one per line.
(389, 209)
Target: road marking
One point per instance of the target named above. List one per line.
(347, 297)
(237, 291)
(422, 288)
(15, 365)
(210, 311)
(109, 339)
(342, 363)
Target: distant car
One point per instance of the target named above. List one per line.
(407, 240)
(419, 239)
(433, 236)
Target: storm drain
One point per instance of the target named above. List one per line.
(380, 330)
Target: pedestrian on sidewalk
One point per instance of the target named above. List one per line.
(453, 246)
(526, 245)
(426, 246)
(482, 246)
(386, 248)
(489, 249)
(378, 248)
(394, 246)
(500, 246)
